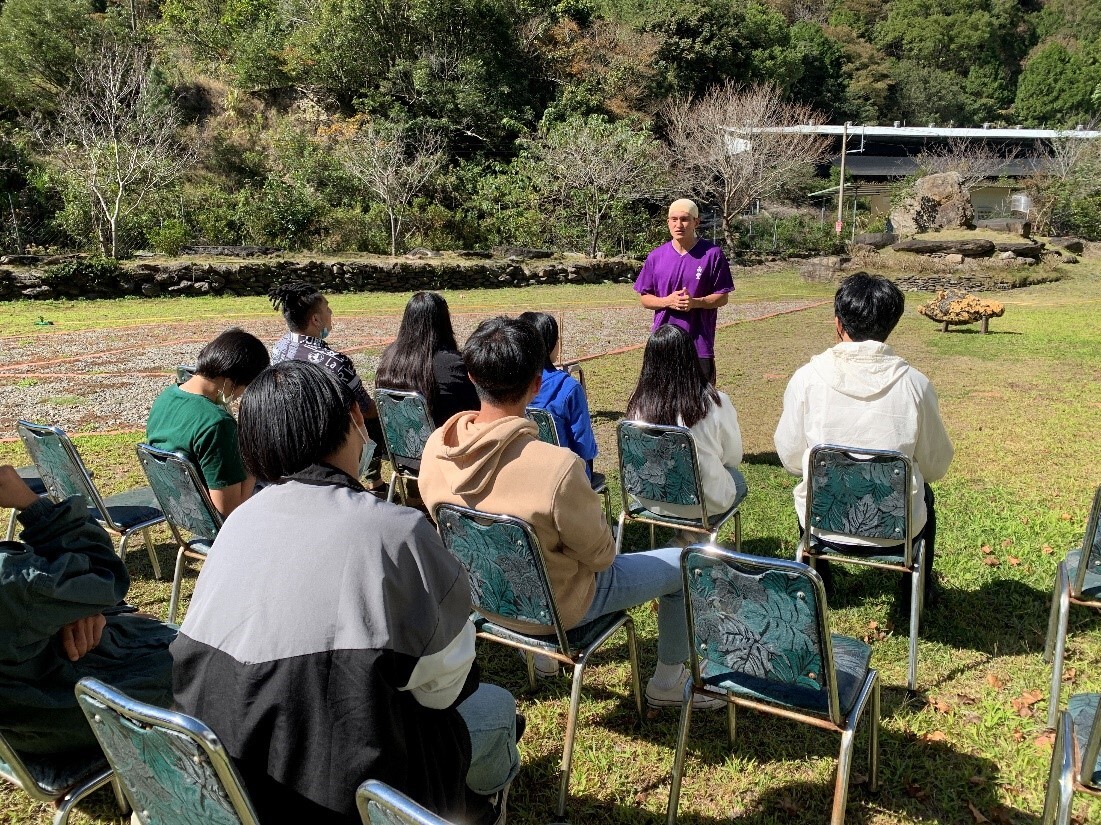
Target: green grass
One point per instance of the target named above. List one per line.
(1023, 406)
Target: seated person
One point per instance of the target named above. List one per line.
(62, 618)
(673, 390)
(424, 358)
(194, 417)
(309, 322)
(492, 460)
(328, 640)
(562, 396)
(860, 394)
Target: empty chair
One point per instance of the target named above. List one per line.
(508, 579)
(1077, 581)
(406, 426)
(658, 463)
(863, 493)
(761, 639)
(548, 432)
(379, 804)
(1076, 759)
(29, 475)
(187, 507)
(63, 473)
(171, 767)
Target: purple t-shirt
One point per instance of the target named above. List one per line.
(703, 271)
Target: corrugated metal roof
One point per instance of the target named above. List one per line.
(879, 166)
(927, 132)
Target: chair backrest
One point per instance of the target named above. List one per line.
(181, 493)
(577, 371)
(184, 372)
(1091, 546)
(659, 463)
(763, 619)
(548, 430)
(172, 767)
(859, 492)
(379, 804)
(502, 556)
(15, 770)
(406, 423)
(59, 465)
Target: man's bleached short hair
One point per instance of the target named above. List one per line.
(685, 205)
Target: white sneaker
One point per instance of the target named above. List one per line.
(546, 667)
(673, 697)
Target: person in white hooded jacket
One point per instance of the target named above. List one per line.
(859, 393)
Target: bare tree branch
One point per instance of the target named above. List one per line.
(974, 160)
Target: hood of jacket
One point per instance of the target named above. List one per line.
(859, 369)
(472, 452)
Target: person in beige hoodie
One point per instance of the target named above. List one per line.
(492, 460)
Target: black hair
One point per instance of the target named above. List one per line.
(868, 306)
(425, 330)
(297, 300)
(235, 354)
(293, 415)
(503, 356)
(671, 388)
(548, 328)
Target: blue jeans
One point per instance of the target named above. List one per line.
(636, 578)
(490, 716)
(740, 487)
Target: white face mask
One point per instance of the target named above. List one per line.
(225, 400)
(368, 451)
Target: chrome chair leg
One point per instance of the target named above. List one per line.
(1060, 785)
(120, 797)
(738, 530)
(1062, 597)
(9, 535)
(571, 730)
(873, 739)
(619, 533)
(651, 535)
(844, 765)
(151, 549)
(731, 721)
(636, 674)
(678, 759)
(529, 658)
(917, 592)
(177, 582)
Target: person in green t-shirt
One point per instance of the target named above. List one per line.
(194, 418)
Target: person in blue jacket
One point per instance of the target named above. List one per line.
(562, 396)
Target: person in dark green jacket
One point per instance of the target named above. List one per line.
(62, 617)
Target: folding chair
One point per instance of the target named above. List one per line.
(658, 463)
(379, 804)
(406, 426)
(1077, 581)
(172, 767)
(184, 372)
(761, 639)
(64, 475)
(30, 476)
(548, 432)
(62, 780)
(1076, 759)
(187, 508)
(508, 580)
(865, 493)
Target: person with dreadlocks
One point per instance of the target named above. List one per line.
(309, 321)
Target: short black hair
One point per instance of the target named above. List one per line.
(293, 415)
(297, 300)
(548, 328)
(503, 356)
(868, 306)
(235, 354)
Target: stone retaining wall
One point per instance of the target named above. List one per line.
(933, 283)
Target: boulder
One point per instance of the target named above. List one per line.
(1014, 226)
(955, 306)
(954, 259)
(978, 248)
(1069, 259)
(422, 252)
(522, 252)
(1022, 249)
(822, 270)
(876, 240)
(25, 260)
(1074, 245)
(934, 202)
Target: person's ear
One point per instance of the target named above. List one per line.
(357, 416)
(840, 329)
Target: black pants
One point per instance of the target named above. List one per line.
(707, 367)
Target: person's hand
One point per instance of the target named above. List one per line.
(78, 637)
(680, 300)
(14, 492)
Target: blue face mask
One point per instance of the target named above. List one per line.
(325, 333)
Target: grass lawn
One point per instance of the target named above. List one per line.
(1023, 407)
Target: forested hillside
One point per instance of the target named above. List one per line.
(375, 124)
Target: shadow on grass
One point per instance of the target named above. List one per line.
(957, 331)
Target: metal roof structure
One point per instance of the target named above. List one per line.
(921, 133)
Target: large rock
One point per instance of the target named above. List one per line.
(876, 240)
(955, 306)
(1074, 245)
(1022, 249)
(978, 248)
(1015, 226)
(823, 270)
(934, 202)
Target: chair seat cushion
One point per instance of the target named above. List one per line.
(873, 554)
(32, 480)
(1091, 587)
(1082, 708)
(638, 511)
(598, 482)
(851, 657)
(579, 637)
(131, 508)
(57, 774)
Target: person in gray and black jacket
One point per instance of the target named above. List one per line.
(328, 639)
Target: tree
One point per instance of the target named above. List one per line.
(587, 167)
(1066, 197)
(394, 165)
(114, 135)
(1058, 83)
(736, 144)
(974, 160)
(40, 41)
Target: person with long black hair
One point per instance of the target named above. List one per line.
(673, 390)
(425, 358)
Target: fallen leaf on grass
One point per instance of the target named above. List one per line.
(977, 780)
(1023, 703)
(934, 736)
(1045, 740)
(789, 807)
(991, 561)
(1007, 542)
(858, 779)
(1013, 560)
(964, 699)
(938, 704)
(985, 549)
(1018, 735)
(1065, 516)
(1001, 815)
(916, 792)
(977, 814)
(1069, 674)
(1047, 549)
(995, 681)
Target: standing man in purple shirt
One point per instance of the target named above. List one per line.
(685, 282)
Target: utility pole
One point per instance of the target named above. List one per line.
(841, 188)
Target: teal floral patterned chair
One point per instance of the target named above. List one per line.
(1076, 760)
(864, 493)
(379, 804)
(659, 464)
(508, 582)
(406, 426)
(1077, 581)
(548, 432)
(64, 475)
(184, 372)
(761, 639)
(30, 477)
(187, 508)
(172, 767)
(61, 780)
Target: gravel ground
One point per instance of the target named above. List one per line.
(102, 380)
